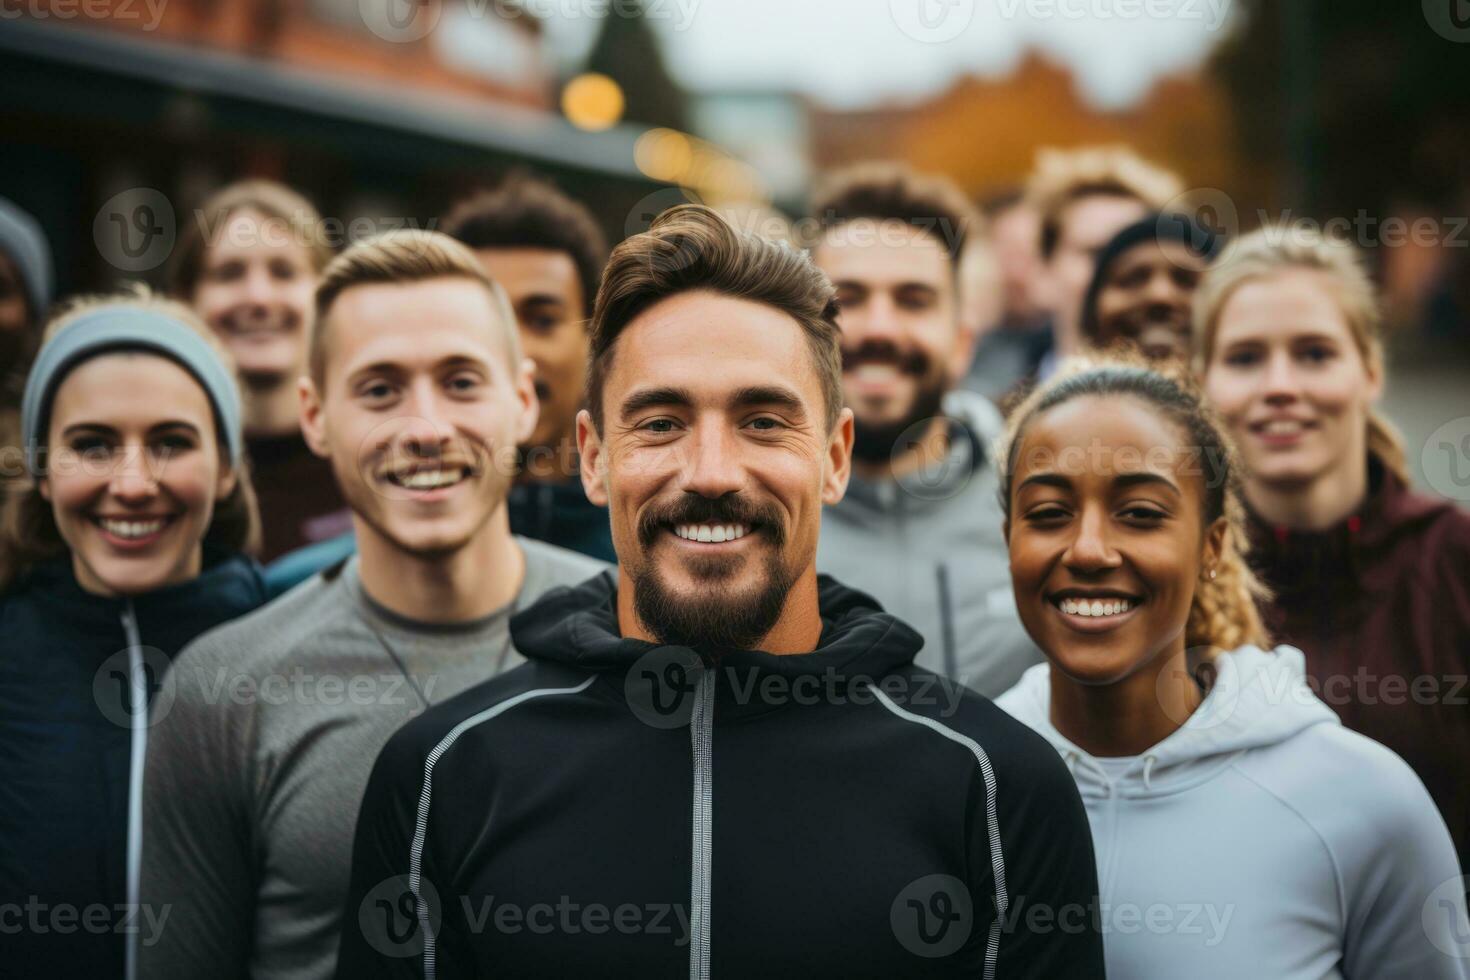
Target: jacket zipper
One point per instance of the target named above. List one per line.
(946, 622)
(701, 736)
(138, 750)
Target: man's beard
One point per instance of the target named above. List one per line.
(717, 618)
(877, 442)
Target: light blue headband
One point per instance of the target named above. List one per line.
(126, 329)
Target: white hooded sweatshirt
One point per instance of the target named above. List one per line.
(1264, 840)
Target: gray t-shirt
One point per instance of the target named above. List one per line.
(263, 738)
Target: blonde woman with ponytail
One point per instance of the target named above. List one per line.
(1369, 578)
(1239, 829)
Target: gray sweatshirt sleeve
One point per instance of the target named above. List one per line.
(198, 867)
(1404, 897)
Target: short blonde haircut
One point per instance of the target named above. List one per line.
(1274, 250)
(405, 256)
(28, 531)
(1063, 177)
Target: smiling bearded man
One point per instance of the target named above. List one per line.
(717, 763)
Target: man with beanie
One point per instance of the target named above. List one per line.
(920, 527)
(417, 393)
(717, 763)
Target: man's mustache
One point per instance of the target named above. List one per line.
(913, 361)
(731, 508)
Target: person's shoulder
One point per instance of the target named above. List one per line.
(548, 565)
(264, 636)
(1016, 753)
(444, 725)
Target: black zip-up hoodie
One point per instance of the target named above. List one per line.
(616, 808)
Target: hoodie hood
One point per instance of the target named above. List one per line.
(1258, 699)
(578, 626)
(22, 239)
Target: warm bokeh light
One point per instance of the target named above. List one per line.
(664, 154)
(592, 102)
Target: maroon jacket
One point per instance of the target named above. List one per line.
(1380, 604)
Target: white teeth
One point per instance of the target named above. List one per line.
(130, 529)
(1094, 607)
(431, 479)
(1282, 427)
(711, 533)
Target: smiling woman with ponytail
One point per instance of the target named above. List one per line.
(1370, 579)
(1214, 779)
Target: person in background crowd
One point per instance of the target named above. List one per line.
(248, 261)
(919, 528)
(417, 393)
(1144, 283)
(1230, 808)
(127, 543)
(1085, 197)
(1011, 347)
(25, 294)
(1369, 578)
(825, 824)
(546, 251)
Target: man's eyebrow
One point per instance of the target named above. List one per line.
(773, 395)
(655, 397)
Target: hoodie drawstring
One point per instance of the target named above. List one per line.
(138, 719)
(1148, 768)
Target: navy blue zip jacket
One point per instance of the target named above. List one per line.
(67, 737)
(614, 808)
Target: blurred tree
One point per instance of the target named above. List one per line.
(1358, 102)
(628, 51)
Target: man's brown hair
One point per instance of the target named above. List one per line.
(524, 212)
(691, 247)
(886, 191)
(404, 256)
(1063, 177)
(275, 202)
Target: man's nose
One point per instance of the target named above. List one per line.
(713, 468)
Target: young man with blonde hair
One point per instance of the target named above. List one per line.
(1085, 196)
(417, 394)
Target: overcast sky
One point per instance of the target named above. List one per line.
(857, 52)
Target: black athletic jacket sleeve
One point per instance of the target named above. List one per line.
(834, 814)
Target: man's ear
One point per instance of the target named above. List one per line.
(525, 380)
(593, 461)
(313, 427)
(963, 354)
(839, 459)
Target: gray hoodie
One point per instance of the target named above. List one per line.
(1263, 839)
(928, 546)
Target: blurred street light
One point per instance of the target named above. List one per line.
(592, 102)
